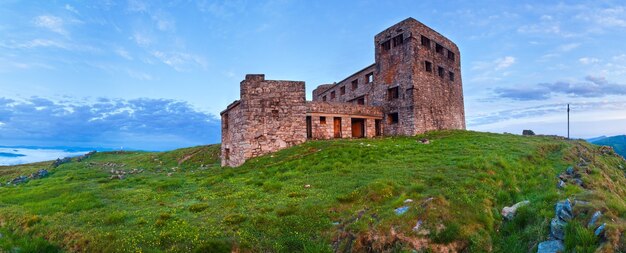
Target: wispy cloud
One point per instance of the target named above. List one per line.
(141, 39)
(568, 47)
(71, 9)
(588, 60)
(492, 70)
(140, 75)
(52, 23)
(137, 6)
(180, 61)
(48, 43)
(124, 54)
(504, 63)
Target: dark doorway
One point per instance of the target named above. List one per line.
(377, 126)
(309, 130)
(337, 127)
(358, 128)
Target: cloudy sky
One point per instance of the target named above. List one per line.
(154, 74)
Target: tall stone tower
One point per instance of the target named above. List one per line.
(418, 79)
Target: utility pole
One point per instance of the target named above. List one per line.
(568, 121)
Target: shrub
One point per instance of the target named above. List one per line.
(579, 239)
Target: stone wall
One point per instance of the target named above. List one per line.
(269, 116)
(323, 115)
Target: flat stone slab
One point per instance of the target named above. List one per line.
(553, 246)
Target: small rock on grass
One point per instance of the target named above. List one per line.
(401, 210)
(570, 170)
(600, 230)
(550, 247)
(408, 201)
(509, 212)
(563, 210)
(418, 225)
(561, 184)
(557, 229)
(594, 218)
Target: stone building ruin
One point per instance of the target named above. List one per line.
(413, 86)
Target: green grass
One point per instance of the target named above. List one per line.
(459, 184)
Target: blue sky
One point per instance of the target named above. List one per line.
(154, 74)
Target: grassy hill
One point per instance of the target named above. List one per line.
(617, 142)
(321, 196)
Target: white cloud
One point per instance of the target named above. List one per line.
(124, 54)
(164, 21)
(36, 43)
(137, 6)
(588, 60)
(52, 23)
(141, 39)
(568, 47)
(180, 61)
(140, 75)
(608, 17)
(504, 63)
(71, 8)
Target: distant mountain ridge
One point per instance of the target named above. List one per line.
(618, 143)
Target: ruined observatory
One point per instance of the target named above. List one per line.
(413, 86)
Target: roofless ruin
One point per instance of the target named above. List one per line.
(413, 86)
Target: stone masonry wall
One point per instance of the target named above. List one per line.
(272, 117)
(346, 112)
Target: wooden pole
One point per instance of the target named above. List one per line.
(568, 121)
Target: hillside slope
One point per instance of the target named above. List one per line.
(322, 196)
(617, 142)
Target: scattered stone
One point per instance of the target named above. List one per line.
(600, 230)
(116, 177)
(509, 212)
(59, 161)
(570, 171)
(424, 141)
(528, 132)
(561, 184)
(408, 201)
(607, 150)
(552, 246)
(594, 219)
(563, 210)
(418, 225)
(39, 174)
(307, 186)
(578, 181)
(401, 210)
(169, 174)
(335, 223)
(85, 156)
(19, 180)
(557, 229)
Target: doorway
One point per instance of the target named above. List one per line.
(358, 128)
(337, 127)
(377, 126)
(309, 130)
